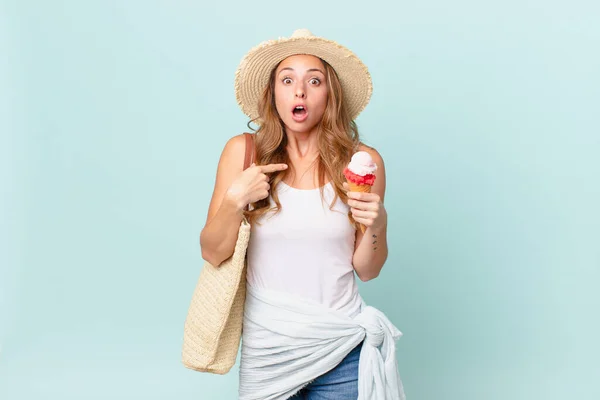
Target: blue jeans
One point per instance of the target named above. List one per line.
(341, 383)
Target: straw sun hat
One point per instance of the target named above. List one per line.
(252, 75)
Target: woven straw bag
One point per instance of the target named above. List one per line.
(213, 326)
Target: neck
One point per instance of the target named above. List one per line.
(302, 145)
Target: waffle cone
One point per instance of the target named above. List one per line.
(359, 188)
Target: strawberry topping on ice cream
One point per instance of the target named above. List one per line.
(361, 169)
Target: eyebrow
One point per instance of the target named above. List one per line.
(308, 70)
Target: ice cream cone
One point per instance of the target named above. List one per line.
(359, 188)
(360, 176)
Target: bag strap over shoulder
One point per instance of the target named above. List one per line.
(249, 157)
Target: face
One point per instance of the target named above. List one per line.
(300, 92)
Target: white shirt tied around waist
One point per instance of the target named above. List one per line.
(289, 341)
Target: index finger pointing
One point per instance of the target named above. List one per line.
(265, 169)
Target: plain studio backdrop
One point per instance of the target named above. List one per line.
(113, 115)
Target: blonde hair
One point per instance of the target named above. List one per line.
(337, 134)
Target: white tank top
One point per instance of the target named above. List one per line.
(306, 250)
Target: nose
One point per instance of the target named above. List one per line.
(300, 92)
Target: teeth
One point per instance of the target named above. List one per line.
(299, 108)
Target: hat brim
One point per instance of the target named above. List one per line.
(254, 70)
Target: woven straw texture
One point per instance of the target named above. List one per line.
(213, 326)
(252, 75)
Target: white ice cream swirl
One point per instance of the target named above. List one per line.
(362, 164)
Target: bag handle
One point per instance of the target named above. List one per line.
(249, 156)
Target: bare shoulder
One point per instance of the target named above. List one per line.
(230, 166)
(234, 150)
(373, 152)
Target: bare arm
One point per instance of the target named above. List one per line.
(371, 250)
(234, 189)
(225, 212)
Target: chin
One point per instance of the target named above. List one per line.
(300, 127)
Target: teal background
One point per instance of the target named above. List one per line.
(113, 116)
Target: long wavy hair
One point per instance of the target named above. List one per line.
(338, 139)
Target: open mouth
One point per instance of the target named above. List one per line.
(299, 113)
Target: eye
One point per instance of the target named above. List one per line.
(286, 80)
(315, 81)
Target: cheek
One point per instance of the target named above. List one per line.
(278, 107)
(280, 104)
(321, 103)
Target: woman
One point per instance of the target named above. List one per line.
(307, 332)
